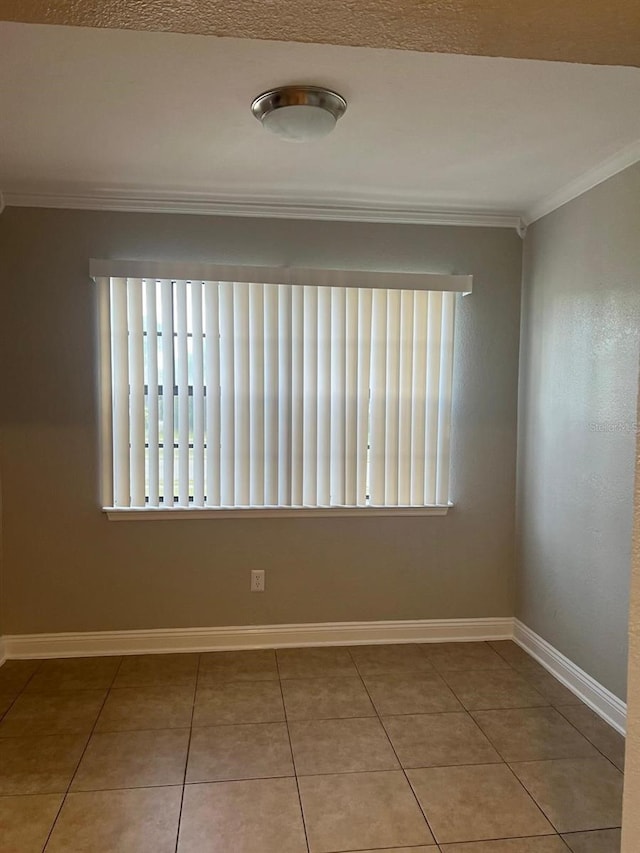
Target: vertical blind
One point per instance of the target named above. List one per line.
(236, 394)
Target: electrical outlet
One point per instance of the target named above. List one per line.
(257, 580)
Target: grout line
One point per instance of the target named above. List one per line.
(400, 765)
(376, 714)
(186, 761)
(21, 690)
(593, 744)
(73, 775)
(295, 772)
(531, 797)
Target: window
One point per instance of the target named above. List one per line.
(237, 395)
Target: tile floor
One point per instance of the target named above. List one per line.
(462, 748)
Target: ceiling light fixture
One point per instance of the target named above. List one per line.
(299, 113)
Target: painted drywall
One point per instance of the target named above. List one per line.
(572, 31)
(631, 812)
(67, 568)
(577, 421)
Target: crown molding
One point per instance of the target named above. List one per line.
(627, 156)
(263, 206)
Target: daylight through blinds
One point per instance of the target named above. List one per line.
(233, 394)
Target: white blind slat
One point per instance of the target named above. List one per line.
(168, 425)
(256, 402)
(324, 399)
(350, 401)
(227, 395)
(405, 384)
(198, 395)
(241, 394)
(136, 392)
(378, 394)
(151, 378)
(242, 414)
(337, 462)
(434, 331)
(120, 395)
(182, 384)
(212, 405)
(363, 400)
(418, 396)
(271, 395)
(310, 397)
(444, 398)
(297, 395)
(288, 454)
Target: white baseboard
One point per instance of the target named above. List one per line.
(255, 637)
(167, 640)
(608, 706)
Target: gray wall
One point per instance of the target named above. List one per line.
(577, 422)
(67, 568)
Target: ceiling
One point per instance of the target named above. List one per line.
(605, 32)
(145, 120)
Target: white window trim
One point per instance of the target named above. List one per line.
(102, 269)
(180, 514)
(282, 275)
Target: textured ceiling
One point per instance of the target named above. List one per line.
(101, 112)
(586, 31)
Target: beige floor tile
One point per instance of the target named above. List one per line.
(148, 670)
(133, 760)
(411, 693)
(447, 657)
(601, 734)
(39, 765)
(476, 803)
(602, 841)
(533, 734)
(514, 654)
(144, 820)
(329, 662)
(357, 810)
(492, 689)
(576, 794)
(25, 822)
(14, 675)
(326, 699)
(380, 660)
(253, 665)
(226, 753)
(167, 706)
(430, 848)
(238, 702)
(541, 844)
(257, 816)
(61, 674)
(72, 712)
(550, 687)
(340, 746)
(438, 740)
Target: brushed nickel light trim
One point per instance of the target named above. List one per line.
(316, 97)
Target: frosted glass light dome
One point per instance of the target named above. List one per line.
(299, 113)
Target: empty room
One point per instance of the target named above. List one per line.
(319, 364)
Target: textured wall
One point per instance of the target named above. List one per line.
(578, 389)
(573, 31)
(631, 813)
(67, 568)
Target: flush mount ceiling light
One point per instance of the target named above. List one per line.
(299, 113)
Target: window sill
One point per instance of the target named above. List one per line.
(180, 514)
